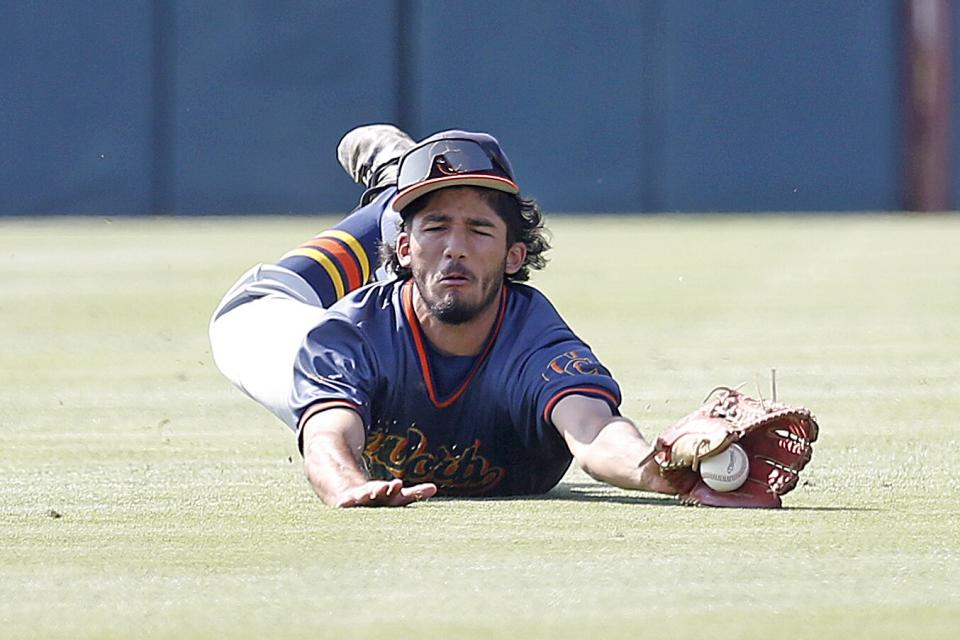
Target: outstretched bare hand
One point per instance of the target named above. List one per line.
(382, 493)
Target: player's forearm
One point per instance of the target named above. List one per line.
(331, 469)
(609, 448)
(333, 442)
(331, 462)
(616, 456)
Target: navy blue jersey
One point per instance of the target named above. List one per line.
(474, 426)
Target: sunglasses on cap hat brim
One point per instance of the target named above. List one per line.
(448, 163)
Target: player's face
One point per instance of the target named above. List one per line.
(457, 249)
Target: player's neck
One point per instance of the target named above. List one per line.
(466, 339)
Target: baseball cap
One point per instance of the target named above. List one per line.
(453, 158)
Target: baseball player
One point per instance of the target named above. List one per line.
(436, 370)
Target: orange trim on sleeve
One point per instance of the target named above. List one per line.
(587, 391)
(320, 407)
(323, 405)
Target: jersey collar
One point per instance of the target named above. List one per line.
(419, 342)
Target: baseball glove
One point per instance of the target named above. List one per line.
(777, 438)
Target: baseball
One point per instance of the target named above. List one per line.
(726, 471)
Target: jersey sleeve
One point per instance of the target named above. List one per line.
(335, 367)
(564, 368)
(345, 257)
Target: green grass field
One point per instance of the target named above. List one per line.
(143, 496)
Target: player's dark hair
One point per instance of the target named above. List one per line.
(524, 222)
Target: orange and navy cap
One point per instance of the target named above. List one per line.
(453, 159)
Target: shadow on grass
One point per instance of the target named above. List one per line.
(577, 492)
(859, 509)
(589, 492)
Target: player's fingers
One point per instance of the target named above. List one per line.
(394, 487)
(383, 492)
(390, 494)
(418, 492)
(368, 494)
(379, 491)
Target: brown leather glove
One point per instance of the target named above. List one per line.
(778, 440)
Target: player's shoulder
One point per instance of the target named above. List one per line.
(361, 317)
(368, 301)
(532, 319)
(531, 302)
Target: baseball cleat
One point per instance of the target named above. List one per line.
(370, 154)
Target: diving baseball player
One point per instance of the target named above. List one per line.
(435, 370)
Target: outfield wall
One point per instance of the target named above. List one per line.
(235, 106)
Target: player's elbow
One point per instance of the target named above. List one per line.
(586, 453)
(589, 460)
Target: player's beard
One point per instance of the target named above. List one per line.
(451, 308)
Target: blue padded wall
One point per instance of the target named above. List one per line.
(236, 106)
